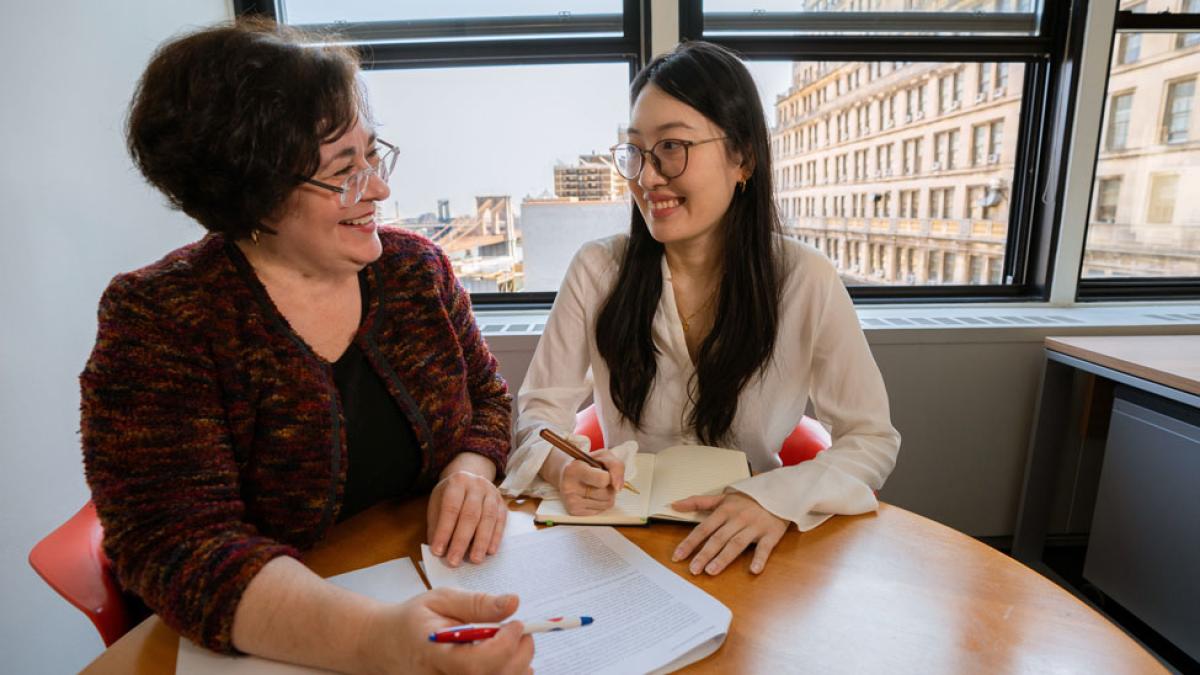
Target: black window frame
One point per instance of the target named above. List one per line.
(1133, 288)
(1051, 59)
(632, 47)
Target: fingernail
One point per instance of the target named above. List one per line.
(695, 568)
(756, 568)
(502, 601)
(677, 555)
(439, 551)
(711, 569)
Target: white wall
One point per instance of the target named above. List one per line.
(552, 232)
(75, 213)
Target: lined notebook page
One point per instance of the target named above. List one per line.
(685, 470)
(628, 509)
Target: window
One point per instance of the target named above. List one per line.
(1185, 40)
(983, 81)
(454, 80)
(945, 147)
(950, 93)
(901, 86)
(885, 205)
(1162, 199)
(914, 102)
(1118, 121)
(979, 145)
(978, 271)
(908, 203)
(1108, 194)
(883, 159)
(912, 156)
(1130, 44)
(982, 203)
(920, 113)
(883, 117)
(996, 135)
(1143, 231)
(941, 202)
(1177, 113)
(739, 18)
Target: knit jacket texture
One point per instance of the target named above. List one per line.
(213, 436)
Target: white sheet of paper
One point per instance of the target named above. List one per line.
(393, 581)
(647, 618)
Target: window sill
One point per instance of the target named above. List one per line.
(894, 324)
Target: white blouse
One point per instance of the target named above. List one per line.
(820, 352)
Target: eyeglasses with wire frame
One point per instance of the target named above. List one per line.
(670, 157)
(351, 190)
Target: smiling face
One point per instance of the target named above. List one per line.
(314, 231)
(690, 207)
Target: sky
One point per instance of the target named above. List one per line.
(495, 130)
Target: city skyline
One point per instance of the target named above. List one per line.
(900, 172)
(590, 103)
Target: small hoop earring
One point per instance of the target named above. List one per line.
(254, 236)
(742, 185)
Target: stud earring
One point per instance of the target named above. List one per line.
(254, 236)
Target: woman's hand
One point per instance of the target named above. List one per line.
(736, 522)
(397, 638)
(586, 490)
(465, 512)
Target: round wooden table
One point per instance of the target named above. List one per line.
(887, 592)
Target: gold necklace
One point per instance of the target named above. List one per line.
(686, 319)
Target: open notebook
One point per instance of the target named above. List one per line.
(662, 478)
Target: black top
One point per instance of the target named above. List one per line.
(383, 451)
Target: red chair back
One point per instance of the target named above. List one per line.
(587, 423)
(71, 559)
(805, 441)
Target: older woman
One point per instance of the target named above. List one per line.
(296, 365)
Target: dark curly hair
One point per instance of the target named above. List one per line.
(225, 119)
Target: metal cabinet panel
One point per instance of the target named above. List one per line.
(1144, 549)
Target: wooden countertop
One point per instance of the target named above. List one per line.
(1169, 360)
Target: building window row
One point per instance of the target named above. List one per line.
(857, 165)
(901, 263)
(991, 82)
(976, 202)
(867, 117)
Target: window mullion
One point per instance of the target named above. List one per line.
(1081, 155)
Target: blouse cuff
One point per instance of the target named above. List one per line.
(523, 466)
(521, 476)
(809, 493)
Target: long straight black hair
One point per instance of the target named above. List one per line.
(714, 82)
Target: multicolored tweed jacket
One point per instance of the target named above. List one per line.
(213, 436)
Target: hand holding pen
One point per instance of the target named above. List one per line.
(569, 448)
(482, 631)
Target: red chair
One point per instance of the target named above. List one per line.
(72, 561)
(805, 441)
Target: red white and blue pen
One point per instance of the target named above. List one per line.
(482, 631)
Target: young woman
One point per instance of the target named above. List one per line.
(296, 365)
(705, 325)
